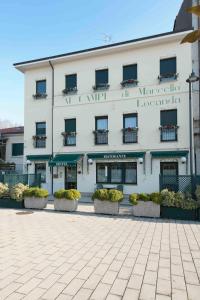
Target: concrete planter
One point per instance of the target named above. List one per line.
(146, 209)
(35, 203)
(106, 207)
(65, 204)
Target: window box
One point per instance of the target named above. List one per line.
(130, 129)
(71, 90)
(129, 83)
(39, 137)
(101, 86)
(39, 96)
(178, 213)
(71, 133)
(168, 76)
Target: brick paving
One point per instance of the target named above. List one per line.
(51, 255)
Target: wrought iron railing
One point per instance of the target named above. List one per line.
(130, 136)
(168, 133)
(101, 137)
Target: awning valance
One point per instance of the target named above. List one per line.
(38, 157)
(115, 155)
(65, 159)
(177, 153)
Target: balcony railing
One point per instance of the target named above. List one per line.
(168, 133)
(40, 96)
(130, 135)
(39, 141)
(69, 138)
(71, 90)
(129, 83)
(101, 137)
(168, 76)
(101, 86)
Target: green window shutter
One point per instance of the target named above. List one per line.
(130, 72)
(17, 149)
(70, 125)
(168, 66)
(168, 117)
(71, 81)
(101, 76)
(41, 128)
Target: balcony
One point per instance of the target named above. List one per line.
(101, 137)
(167, 77)
(130, 135)
(168, 133)
(40, 96)
(69, 138)
(101, 86)
(70, 90)
(129, 83)
(39, 141)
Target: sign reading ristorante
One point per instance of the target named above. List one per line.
(170, 94)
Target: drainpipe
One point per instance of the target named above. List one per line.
(52, 107)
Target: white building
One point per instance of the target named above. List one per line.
(116, 115)
(12, 149)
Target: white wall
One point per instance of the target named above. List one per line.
(18, 160)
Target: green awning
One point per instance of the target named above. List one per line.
(177, 153)
(38, 157)
(115, 155)
(65, 159)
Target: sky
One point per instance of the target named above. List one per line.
(37, 28)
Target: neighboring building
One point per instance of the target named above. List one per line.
(111, 115)
(12, 149)
(187, 20)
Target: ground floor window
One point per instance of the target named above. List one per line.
(40, 168)
(125, 173)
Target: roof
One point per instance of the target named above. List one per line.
(12, 130)
(170, 33)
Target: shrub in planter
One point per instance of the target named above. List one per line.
(145, 205)
(107, 201)
(178, 206)
(66, 200)
(35, 198)
(10, 199)
(3, 189)
(17, 191)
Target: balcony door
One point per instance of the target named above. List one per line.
(71, 177)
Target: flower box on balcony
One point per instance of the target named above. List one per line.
(169, 126)
(100, 131)
(39, 137)
(130, 129)
(70, 90)
(101, 86)
(39, 96)
(129, 82)
(69, 133)
(168, 76)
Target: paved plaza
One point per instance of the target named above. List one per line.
(49, 255)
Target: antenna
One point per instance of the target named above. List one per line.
(107, 38)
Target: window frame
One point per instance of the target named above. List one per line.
(40, 135)
(101, 85)
(124, 117)
(14, 144)
(65, 138)
(162, 126)
(126, 66)
(123, 168)
(36, 87)
(96, 129)
(163, 75)
(70, 88)
(41, 163)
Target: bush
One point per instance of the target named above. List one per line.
(67, 194)
(108, 195)
(178, 200)
(3, 189)
(16, 192)
(36, 192)
(197, 192)
(156, 198)
(143, 197)
(133, 199)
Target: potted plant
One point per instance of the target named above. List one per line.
(107, 201)
(145, 205)
(178, 206)
(13, 197)
(66, 200)
(35, 198)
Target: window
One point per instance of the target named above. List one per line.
(116, 173)
(101, 79)
(17, 149)
(129, 75)
(70, 132)
(70, 83)
(130, 129)
(101, 130)
(168, 68)
(40, 168)
(41, 88)
(40, 138)
(168, 122)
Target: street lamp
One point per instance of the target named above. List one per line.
(192, 78)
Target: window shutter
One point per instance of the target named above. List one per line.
(169, 117)
(17, 149)
(41, 128)
(71, 81)
(130, 72)
(70, 125)
(168, 66)
(101, 76)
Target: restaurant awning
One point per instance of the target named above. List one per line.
(38, 157)
(177, 153)
(65, 159)
(115, 155)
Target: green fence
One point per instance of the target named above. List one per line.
(29, 179)
(180, 183)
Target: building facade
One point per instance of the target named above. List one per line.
(12, 149)
(111, 116)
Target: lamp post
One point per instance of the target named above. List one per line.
(28, 163)
(192, 78)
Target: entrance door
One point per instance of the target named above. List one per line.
(169, 175)
(71, 177)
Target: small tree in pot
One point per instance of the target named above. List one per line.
(66, 200)
(145, 205)
(35, 198)
(107, 201)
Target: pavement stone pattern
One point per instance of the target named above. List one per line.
(64, 256)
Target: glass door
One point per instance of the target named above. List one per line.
(71, 177)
